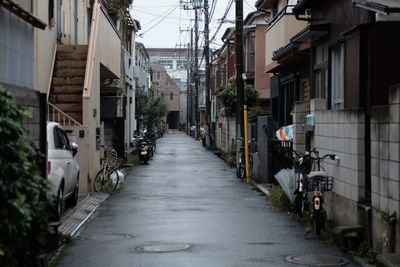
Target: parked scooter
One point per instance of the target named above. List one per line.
(144, 151)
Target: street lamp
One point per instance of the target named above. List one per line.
(197, 4)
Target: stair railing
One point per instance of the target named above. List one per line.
(57, 115)
(91, 50)
(53, 62)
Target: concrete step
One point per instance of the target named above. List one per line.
(66, 98)
(76, 89)
(69, 107)
(71, 56)
(69, 72)
(68, 81)
(70, 64)
(345, 232)
(388, 260)
(72, 48)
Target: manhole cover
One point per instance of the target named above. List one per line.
(317, 260)
(163, 248)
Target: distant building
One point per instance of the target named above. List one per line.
(166, 88)
(176, 62)
(141, 63)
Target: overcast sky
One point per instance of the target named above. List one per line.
(166, 24)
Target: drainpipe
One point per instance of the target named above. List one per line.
(391, 238)
(368, 224)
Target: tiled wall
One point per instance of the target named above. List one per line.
(225, 134)
(341, 132)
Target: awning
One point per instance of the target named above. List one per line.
(311, 33)
(379, 6)
(283, 51)
(21, 13)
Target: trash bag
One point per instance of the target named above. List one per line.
(287, 179)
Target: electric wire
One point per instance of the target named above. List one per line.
(162, 19)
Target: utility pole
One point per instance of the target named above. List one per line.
(239, 68)
(207, 56)
(196, 75)
(191, 78)
(188, 92)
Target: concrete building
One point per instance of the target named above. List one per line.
(79, 64)
(166, 88)
(141, 64)
(339, 72)
(20, 23)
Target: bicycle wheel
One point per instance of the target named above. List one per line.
(100, 180)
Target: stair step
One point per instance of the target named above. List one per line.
(345, 229)
(70, 64)
(68, 81)
(72, 48)
(69, 107)
(71, 56)
(76, 89)
(70, 72)
(66, 98)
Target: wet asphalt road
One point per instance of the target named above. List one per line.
(187, 196)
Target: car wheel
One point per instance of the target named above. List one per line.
(60, 201)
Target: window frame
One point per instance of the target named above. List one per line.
(336, 103)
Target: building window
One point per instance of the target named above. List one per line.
(162, 95)
(337, 77)
(158, 76)
(171, 96)
(251, 55)
(321, 71)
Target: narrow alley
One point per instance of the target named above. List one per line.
(174, 211)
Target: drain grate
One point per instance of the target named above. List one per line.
(163, 248)
(317, 260)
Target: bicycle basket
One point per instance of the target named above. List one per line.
(323, 183)
(112, 158)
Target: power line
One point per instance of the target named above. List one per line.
(252, 7)
(159, 21)
(222, 20)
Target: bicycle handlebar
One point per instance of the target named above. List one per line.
(317, 157)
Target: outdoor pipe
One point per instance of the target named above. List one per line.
(391, 234)
(246, 144)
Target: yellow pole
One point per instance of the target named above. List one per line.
(246, 145)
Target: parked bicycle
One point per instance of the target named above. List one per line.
(107, 178)
(302, 165)
(318, 182)
(242, 160)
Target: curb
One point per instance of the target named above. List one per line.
(262, 188)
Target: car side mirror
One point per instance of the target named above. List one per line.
(74, 148)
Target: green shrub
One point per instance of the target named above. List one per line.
(279, 199)
(228, 96)
(24, 208)
(231, 155)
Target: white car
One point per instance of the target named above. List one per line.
(62, 168)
